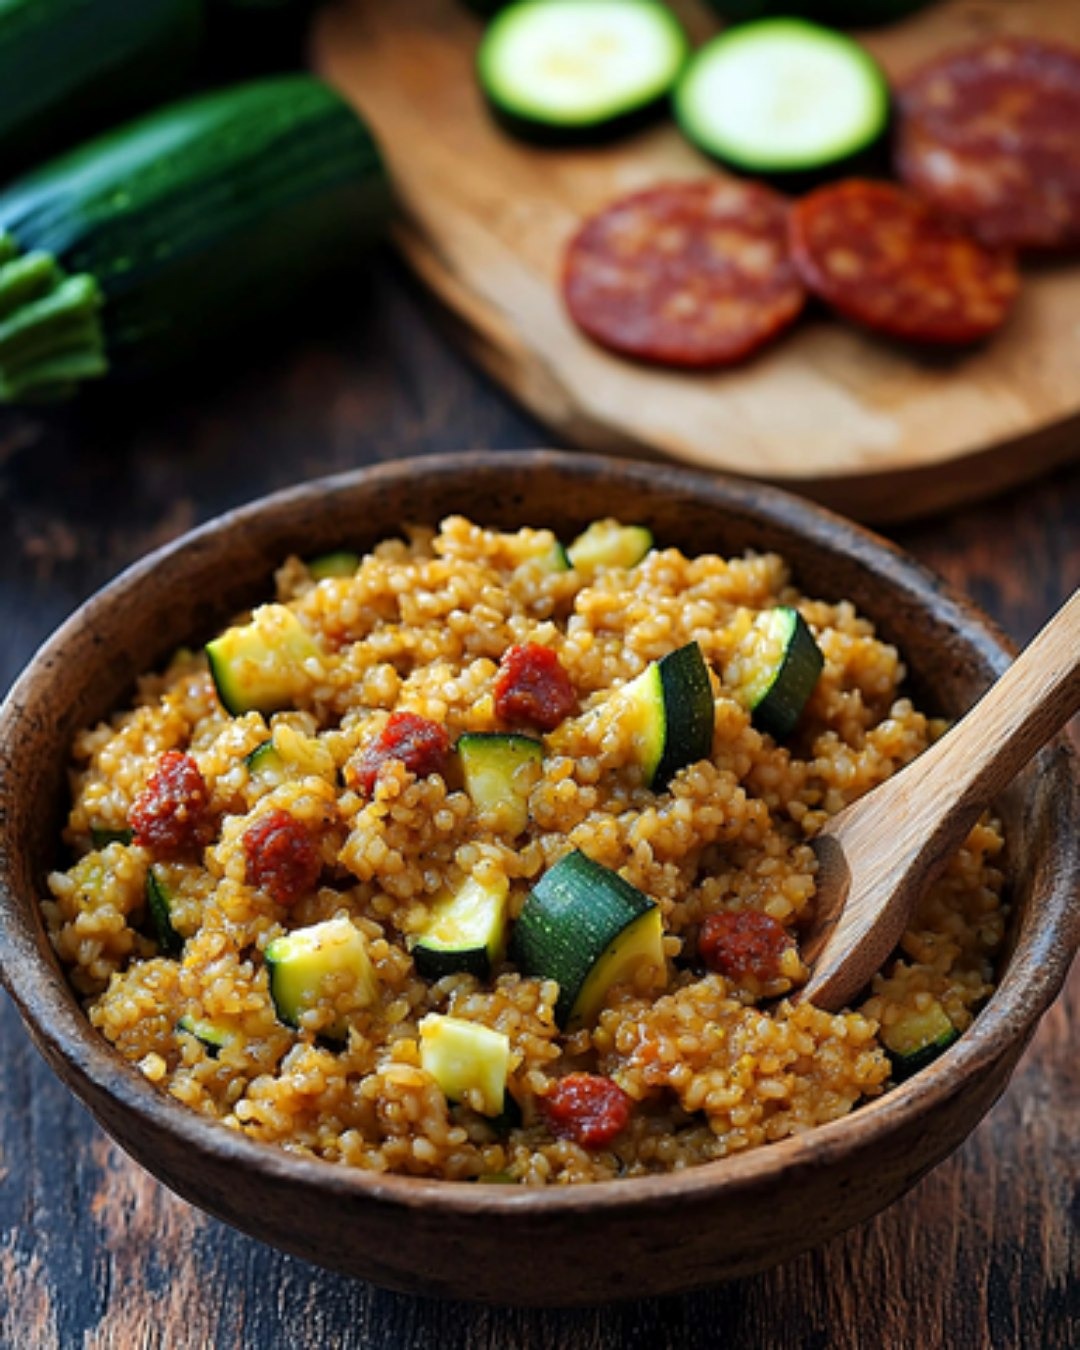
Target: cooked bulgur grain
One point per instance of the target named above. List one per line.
(711, 1061)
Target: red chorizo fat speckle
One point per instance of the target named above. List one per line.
(687, 274)
(881, 257)
(991, 136)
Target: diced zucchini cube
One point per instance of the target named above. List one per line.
(466, 1058)
(670, 712)
(261, 666)
(465, 930)
(500, 771)
(587, 928)
(774, 670)
(323, 960)
(917, 1038)
(606, 543)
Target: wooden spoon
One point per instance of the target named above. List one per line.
(878, 855)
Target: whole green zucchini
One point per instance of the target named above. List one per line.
(147, 243)
(68, 66)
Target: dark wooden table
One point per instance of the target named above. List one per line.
(93, 1252)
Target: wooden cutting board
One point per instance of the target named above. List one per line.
(865, 425)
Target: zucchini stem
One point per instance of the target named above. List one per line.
(51, 337)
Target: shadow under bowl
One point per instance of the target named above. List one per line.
(560, 1245)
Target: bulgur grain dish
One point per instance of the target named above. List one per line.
(484, 859)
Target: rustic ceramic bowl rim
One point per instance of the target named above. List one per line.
(69, 1035)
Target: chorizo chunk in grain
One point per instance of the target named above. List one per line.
(281, 857)
(738, 943)
(170, 817)
(417, 742)
(533, 686)
(587, 1108)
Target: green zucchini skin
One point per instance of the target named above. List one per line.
(205, 214)
(464, 932)
(574, 914)
(842, 13)
(159, 904)
(264, 756)
(212, 1038)
(906, 1066)
(781, 706)
(689, 712)
(916, 1039)
(68, 67)
(433, 963)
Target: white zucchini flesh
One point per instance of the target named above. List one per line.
(782, 94)
(470, 1062)
(580, 62)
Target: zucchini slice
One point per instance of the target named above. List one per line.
(783, 96)
(775, 670)
(290, 752)
(159, 904)
(466, 1058)
(560, 72)
(342, 563)
(322, 960)
(500, 770)
(464, 931)
(261, 666)
(670, 710)
(917, 1038)
(606, 543)
(212, 1037)
(587, 928)
(537, 550)
(264, 759)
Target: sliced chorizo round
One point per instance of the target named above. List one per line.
(692, 274)
(881, 257)
(990, 135)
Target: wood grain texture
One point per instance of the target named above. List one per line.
(872, 428)
(983, 1253)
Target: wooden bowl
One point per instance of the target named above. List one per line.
(567, 1245)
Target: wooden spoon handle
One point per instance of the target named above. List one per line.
(984, 751)
(886, 848)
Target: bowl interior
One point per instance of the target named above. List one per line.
(184, 592)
